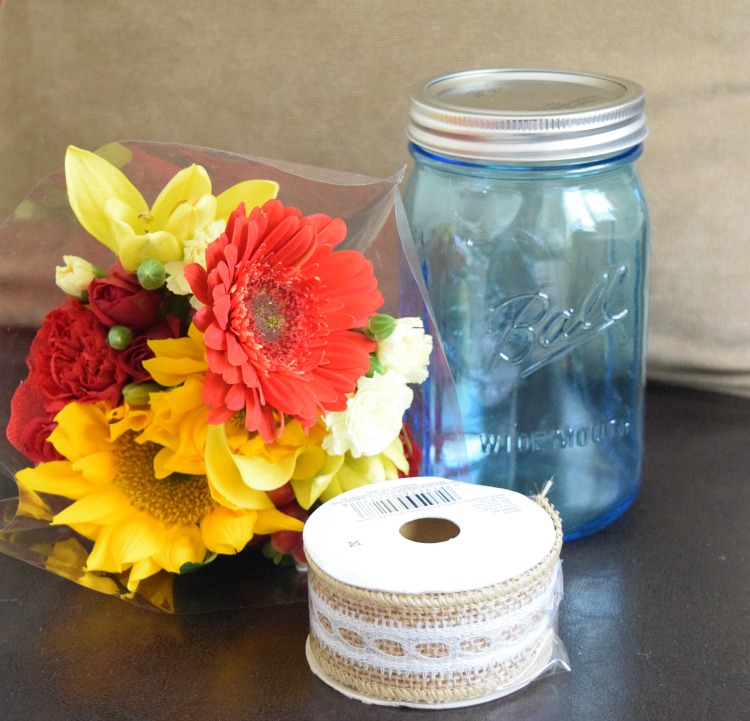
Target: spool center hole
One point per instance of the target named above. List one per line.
(429, 530)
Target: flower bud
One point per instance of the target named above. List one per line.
(151, 274)
(119, 337)
(380, 326)
(138, 394)
(74, 277)
(375, 366)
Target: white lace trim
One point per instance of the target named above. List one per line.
(463, 647)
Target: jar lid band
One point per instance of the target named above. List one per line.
(526, 116)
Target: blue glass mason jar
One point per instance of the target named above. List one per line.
(532, 232)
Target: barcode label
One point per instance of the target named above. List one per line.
(416, 499)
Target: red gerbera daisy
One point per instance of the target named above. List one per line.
(280, 306)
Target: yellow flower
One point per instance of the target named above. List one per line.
(177, 359)
(355, 472)
(113, 210)
(139, 524)
(178, 423)
(241, 466)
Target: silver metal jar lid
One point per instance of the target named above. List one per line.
(526, 116)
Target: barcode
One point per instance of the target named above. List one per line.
(418, 499)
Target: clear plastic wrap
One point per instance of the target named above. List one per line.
(44, 229)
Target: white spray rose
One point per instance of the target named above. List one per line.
(373, 417)
(74, 277)
(407, 350)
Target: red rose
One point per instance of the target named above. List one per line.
(70, 359)
(119, 299)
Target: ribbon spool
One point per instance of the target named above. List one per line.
(399, 610)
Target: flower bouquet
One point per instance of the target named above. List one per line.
(216, 363)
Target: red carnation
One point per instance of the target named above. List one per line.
(30, 424)
(70, 359)
(280, 309)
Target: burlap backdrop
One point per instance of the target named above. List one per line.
(327, 83)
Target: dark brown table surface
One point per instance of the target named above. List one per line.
(656, 615)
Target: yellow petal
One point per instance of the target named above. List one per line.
(225, 479)
(98, 468)
(127, 418)
(81, 429)
(357, 472)
(179, 423)
(95, 582)
(188, 217)
(31, 505)
(121, 213)
(134, 248)
(124, 543)
(310, 490)
(102, 557)
(168, 461)
(183, 544)
(88, 530)
(274, 520)
(142, 569)
(177, 358)
(167, 371)
(91, 182)
(227, 531)
(309, 462)
(187, 184)
(394, 452)
(104, 506)
(266, 473)
(250, 192)
(56, 477)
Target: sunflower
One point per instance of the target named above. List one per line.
(138, 522)
(281, 309)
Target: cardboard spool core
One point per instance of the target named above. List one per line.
(429, 530)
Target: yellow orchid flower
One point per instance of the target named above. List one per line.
(113, 210)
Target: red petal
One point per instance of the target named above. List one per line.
(330, 231)
(197, 279)
(235, 354)
(214, 337)
(235, 398)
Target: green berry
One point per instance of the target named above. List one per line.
(151, 274)
(119, 337)
(138, 394)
